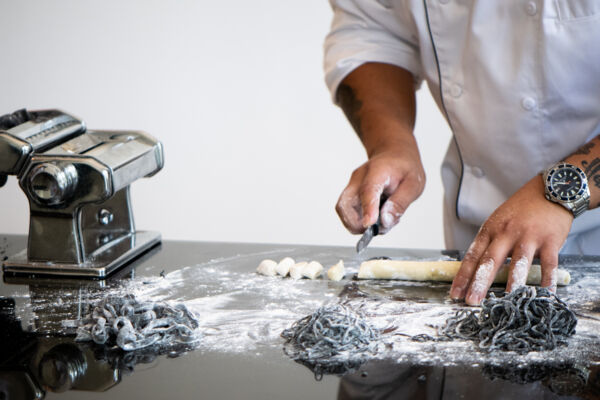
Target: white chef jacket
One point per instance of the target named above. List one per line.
(518, 82)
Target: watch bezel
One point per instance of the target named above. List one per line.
(552, 194)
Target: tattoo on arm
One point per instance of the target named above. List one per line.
(346, 97)
(592, 171)
(585, 149)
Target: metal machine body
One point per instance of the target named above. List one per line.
(77, 182)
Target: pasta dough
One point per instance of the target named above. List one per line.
(312, 270)
(267, 267)
(283, 268)
(296, 270)
(442, 271)
(337, 271)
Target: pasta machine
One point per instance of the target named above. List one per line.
(77, 183)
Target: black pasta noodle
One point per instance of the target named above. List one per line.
(528, 319)
(333, 340)
(133, 325)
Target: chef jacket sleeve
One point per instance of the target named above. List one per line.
(365, 31)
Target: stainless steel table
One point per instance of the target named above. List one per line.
(37, 360)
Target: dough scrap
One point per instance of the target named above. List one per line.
(312, 270)
(296, 270)
(441, 271)
(283, 268)
(337, 271)
(267, 267)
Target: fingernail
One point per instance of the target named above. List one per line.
(473, 300)
(457, 294)
(454, 295)
(457, 291)
(368, 220)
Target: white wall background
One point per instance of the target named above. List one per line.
(255, 151)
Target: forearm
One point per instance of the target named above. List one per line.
(587, 157)
(379, 101)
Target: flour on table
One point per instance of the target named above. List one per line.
(240, 311)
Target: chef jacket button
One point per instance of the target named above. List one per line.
(456, 91)
(477, 172)
(528, 103)
(531, 8)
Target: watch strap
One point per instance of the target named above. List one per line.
(579, 206)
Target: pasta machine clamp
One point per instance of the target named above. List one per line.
(77, 183)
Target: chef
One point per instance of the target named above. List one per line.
(519, 84)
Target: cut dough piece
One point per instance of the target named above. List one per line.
(283, 268)
(312, 270)
(336, 272)
(442, 271)
(267, 267)
(296, 269)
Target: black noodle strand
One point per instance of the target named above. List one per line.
(522, 321)
(133, 325)
(333, 340)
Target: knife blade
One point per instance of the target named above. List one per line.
(371, 231)
(366, 238)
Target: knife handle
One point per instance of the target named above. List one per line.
(375, 226)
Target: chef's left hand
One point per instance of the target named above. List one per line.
(525, 226)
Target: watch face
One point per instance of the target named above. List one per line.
(566, 182)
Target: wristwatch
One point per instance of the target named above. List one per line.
(567, 185)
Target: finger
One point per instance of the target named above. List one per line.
(520, 264)
(461, 281)
(348, 206)
(371, 189)
(549, 264)
(490, 263)
(395, 206)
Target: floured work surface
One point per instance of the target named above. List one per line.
(241, 316)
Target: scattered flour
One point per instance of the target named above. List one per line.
(520, 272)
(483, 276)
(242, 312)
(553, 279)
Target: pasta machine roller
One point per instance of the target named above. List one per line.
(77, 183)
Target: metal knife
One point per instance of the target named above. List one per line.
(371, 231)
(365, 239)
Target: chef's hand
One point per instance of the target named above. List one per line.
(525, 226)
(396, 173)
(379, 101)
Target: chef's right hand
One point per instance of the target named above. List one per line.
(395, 172)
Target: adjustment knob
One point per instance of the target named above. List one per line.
(52, 184)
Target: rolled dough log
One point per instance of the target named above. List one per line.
(312, 270)
(442, 271)
(337, 271)
(267, 267)
(296, 270)
(283, 268)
